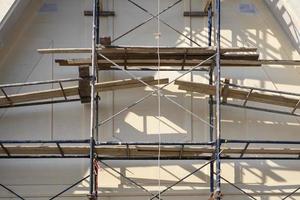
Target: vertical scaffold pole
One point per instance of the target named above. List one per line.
(92, 110)
(97, 74)
(211, 108)
(218, 99)
(96, 137)
(97, 94)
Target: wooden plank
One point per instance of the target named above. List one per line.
(73, 91)
(154, 62)
(225, 91)
(65, 50)
(105, 41)
(196, 87)
(84, 88)
(177, 56)
(279, 62)
(239, 94)
(236, 56)
(102, 13)
(146, 49)
(263, 62)
(142, 151)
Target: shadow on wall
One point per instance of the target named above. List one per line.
(175, 29)
(286, 20)
(140, 123)
(262, 179)
(259, 31)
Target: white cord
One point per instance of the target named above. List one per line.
(158, 94)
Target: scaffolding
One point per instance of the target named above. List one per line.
(125, 58)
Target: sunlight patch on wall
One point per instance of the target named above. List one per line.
(4, 8)
(84, 184)
(108, 178)
(174, 173)
(252, 175)
(182, 41)
(292, 124)
(152, 172)
(166, 126)
(135, 121)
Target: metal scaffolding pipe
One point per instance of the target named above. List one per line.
(68, 188)
(211, 99)
(165, 23)
(125, 177)
(92, 107)
(291, 194)
(261, 109)
(228, 141)
(238, 188)
(262, 89)
(11, 191)
(39, 103)
(261, 158)
(44, 141)
(218, 100)
(146, 21)
(97, 72)
(150, 158)
(156, 143)
(43, 157)
(40, 82)
(200, 158)
(101, 143)
(182, 179)
(143, 69)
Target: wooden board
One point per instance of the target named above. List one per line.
(73, 91)
(224, 91)
(84, 88)
(147, 49)
(105, 64)
(175, 62)
(170, 56)
(238, 94)
(173, 56)
(141, 151)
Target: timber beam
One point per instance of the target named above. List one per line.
(136, 151)
(258, 97)
(15, 99)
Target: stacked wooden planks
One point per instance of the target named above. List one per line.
(169, 56)
(74, 90)
(238, 94)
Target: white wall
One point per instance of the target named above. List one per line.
(5, 6)
(62, 24)
(288, 15)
